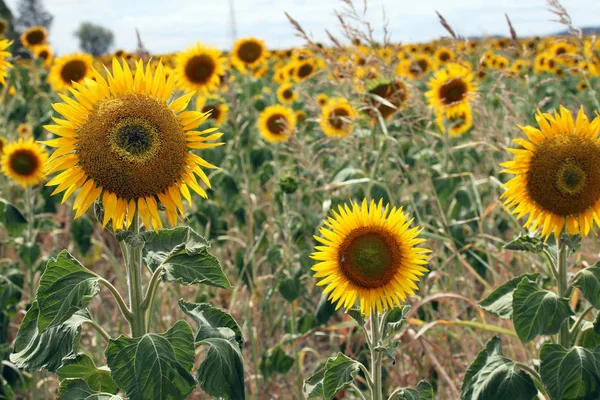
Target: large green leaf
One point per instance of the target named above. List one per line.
(492, 376)
(200, 267)
(36, 351)
(537, 311)
(588, 280)
(154, 366)
(570, 374)
(423, 391)
(221, 374)
(78, 389)
(12, 219)
(313, 386)
(212, 322)
(533, 244)
(158, 245)
(588, 337)
(339, 374)
(65, 287)
(499, 302)
(275, 361)
(82, 366)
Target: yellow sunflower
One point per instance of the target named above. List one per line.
(5, 65)
(24, 130)
(557, 172)
(199, 68)
(304, 69)
(582, 86)
(369, 254)
(34, 36)
(458, 121)
(248, 53)
(300, 116)
(68, 69)
(123, 142)
(277, 123)
(450, 88)
(415, 68)
(322, 99)
(23, 161)
(337, 118)
(216, 109)
(44, 52)
(393, 92)
(286, 94)
(3, 144)
(444, 55)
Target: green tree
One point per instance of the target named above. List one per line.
(94, 39)
(32, 13)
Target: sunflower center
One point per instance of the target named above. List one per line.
(133, 145)
(249, 52)
(305, 70)
(43, 54)
(369, 258)
(337, 118)
(453, 91)
(564, 175)
(35, 37)
(199, 69)
(74, 70)
(3, 27)
(444, 56)
(24, 162)
(287, 94)
(276, 124)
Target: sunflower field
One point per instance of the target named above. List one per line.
(360, 219)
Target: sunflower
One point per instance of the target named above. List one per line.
(300, 116)
(304, 69)
(3, 27)
(277, 123)
(23, 162)
(322, 99)
(582, 86)
(216, 109)
(199, 68)
(444, 55)
(122, 142)
(393, 92)
(248, 53)
(286, 94)
(415, 68)
(369, 254)
(450, 88)
(5, 65)
(459, 121)
(557, 172)
(337, 118)
(44, 52)
(24, 130)
(34, 36)
(3, 144)
(69, 69)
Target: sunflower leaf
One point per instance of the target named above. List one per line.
(275, 360)
(212, 322)
(499, 302)
(533, 244)
(77, 389)
(423, 391)
(221, 374)
(82, 366)
(340, 372)
(12, 219)
(588, 280)
(313, 386)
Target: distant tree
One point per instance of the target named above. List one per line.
(32, 13)
(94, 39)
(10, 32)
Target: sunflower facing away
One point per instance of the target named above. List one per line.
(248, 53)
(23, 161)
(68, 69)
(5, 65)
(277, 123)
(450, 88)
(337, 117)
(199, 68)
(122, 142)
(557, 172)
(369, 254)
(34, 36)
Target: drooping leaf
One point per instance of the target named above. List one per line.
(12, 219)
(423, 391)
(154, 366)
(35, 351)
(570, 374)
(78, 389)
(340, 372)
(291, 287)
(499, 302)
(492, 376)
(221, 374)
(588, 280)
(212, 322)
(66, 286)
(82, 366)
(274, 361)
(356, 315)
(533, 244)
(537, 311)
(394, 319)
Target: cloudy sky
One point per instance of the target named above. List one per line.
(169, 25)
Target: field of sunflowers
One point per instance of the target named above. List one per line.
(361, 219)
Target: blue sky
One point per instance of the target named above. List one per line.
(170, 25)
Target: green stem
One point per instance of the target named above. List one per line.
(30, 239)
(536, 376)
(100, 329)
(376, 357)
(146, 305)
(137, 322)
(120, 302)
(580, 319)
(564, 336)
(299, 380)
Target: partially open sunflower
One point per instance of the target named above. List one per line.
(450, 88)
(68, 69)
(277, 123)
(23, 162)
(5, 65)
(337, 118)
(34, 36)
(123, 142)
(557, 172)
(199, 68)
(369, 253)
(248, 53)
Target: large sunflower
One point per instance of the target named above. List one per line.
(557, 172)
(123, 142)
(450, 88)
(34, 36)
(369, 254)
(248, 53)
(68, 69)
(5, 65)
(199, 68)
(23, 162)
(337, 118)
(277, 123)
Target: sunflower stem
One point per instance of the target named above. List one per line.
(564, 335)
(30, 239)
(376, 357)
(137, 321)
